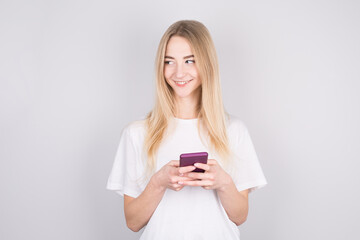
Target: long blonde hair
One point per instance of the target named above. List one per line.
(211, 112)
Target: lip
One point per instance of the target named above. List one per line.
(182, 85)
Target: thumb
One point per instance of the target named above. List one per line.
(174, 163)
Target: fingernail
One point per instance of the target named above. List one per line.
(180, 183)
(181, 174)
(196, 164)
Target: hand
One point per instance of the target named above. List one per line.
(214, 176)
(170, 174)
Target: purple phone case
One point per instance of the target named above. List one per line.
(187, 159)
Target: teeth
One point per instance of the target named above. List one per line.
(182, 82)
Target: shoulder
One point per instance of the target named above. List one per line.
(235, 123)
(236, 128)
(135, 129)
(135, 126)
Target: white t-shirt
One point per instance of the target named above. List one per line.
(193, 212)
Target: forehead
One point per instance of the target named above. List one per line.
(178, 46)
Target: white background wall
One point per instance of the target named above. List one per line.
(73, 73)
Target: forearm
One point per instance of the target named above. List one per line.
(234, 203)
(139, 211)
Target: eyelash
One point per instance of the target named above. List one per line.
(187, 61)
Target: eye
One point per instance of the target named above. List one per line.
(190, 61)
(169, 62)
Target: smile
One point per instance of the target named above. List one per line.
(182, 83)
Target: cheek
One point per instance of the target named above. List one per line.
(167, 72)
(194, 72)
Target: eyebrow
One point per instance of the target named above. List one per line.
(190, 56)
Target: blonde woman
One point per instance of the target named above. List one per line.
(175, 202)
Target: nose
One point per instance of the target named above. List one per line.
(180, 71)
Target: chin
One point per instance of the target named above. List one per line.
(182, 95)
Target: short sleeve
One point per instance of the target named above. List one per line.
(123, 177)
(248, 172)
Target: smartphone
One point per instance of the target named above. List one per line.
(187, 159)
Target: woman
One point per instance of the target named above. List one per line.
(175, 202)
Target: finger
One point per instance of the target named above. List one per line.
(179, 188)
(174, 163)
(211, 162)
(202, 166)
(186, 169)
(196, 183)
(176, 179)
(175, 185)
(181, 179)
(202, 176)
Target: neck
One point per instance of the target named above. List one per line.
(187, 108)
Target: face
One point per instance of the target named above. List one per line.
(180, 69)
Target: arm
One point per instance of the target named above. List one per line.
(137, 216)
(234, 202)
(228, 196)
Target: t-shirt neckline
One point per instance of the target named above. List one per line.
(186, 120)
